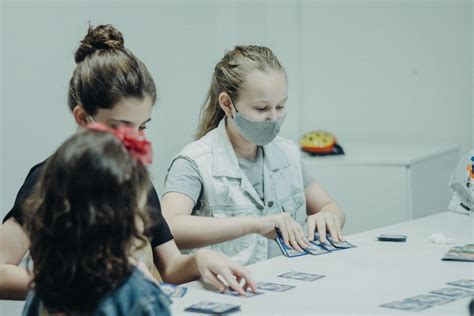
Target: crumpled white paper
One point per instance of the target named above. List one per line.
(441, 239)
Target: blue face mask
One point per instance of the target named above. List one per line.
(260, 133)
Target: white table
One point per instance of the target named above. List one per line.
(357, 280)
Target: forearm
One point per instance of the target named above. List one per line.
(14, 282)
(181, 269)
(200, 231)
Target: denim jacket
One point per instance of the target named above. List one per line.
(227, 192)
(136, 296)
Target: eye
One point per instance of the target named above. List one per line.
(280, 107)
(262, 108)
(142, 128)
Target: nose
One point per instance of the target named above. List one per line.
(272, 115)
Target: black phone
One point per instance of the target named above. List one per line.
(386, 237)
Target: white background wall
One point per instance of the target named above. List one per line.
(370, 71)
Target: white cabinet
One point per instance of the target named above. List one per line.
(379, 185)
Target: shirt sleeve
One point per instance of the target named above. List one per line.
(158, 231)
(307, 176)
(24, 192)
(183, 177)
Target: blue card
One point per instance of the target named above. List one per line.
(289, 251)
(173, 291)
(341, 244)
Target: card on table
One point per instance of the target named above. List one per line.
(406, 305)
(231, 292)
(453, 292)
(315, 249)
(340, 244)
(301, 276)
(467, 283)
(328, 246)
(289, 251)
(212, 308)
(460, 253)
(430, 299)
(276, 287)
(173, 291)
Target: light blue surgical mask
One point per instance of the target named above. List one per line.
(260, 133)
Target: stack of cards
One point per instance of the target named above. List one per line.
(316, 247)
(437, 297)
(289, 251)
(173, 291)
(460, 253)
(212, 308)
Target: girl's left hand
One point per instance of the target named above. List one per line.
(323, 222)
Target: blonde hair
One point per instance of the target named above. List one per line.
(229, 75)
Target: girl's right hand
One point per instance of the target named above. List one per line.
(212, 265)
(291, 232)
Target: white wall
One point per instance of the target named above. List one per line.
(389, 71)
(368, 71)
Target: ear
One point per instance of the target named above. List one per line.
(225, 102)
(80, 116)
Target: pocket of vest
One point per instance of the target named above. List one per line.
(295, 205)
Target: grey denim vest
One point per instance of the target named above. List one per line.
(227, 192)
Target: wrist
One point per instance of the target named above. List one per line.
(251, 225)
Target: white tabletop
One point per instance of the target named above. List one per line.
(357, 280)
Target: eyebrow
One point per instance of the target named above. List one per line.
(128, 122)
(267, 103)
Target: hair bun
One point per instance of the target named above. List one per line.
(101, 37)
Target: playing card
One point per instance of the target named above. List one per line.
(212, 308)
(341, 244)
(328, 246)
(406, 305)
(289, 251)
(231, 292)
(172, 290)
(460, 253)
(315, 249)
(276, 287)
(430, 299)
(301, 276)
(453, 292)
(469, 284)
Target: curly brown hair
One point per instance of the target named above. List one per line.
(82, 221)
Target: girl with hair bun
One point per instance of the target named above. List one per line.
(110, 85)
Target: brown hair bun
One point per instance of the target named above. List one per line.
(101, 37)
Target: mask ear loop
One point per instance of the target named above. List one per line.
(92, 119)
(233, 103)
